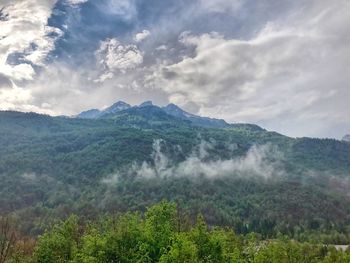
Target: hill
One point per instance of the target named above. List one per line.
(239, 175)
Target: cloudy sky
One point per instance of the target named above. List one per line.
(284, 65)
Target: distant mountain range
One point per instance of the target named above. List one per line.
(346, 138)
(120, 108)
(95, 113)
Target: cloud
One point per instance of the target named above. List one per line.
(111, 180)
(124, 9)
(220, 6)
(262, 161)
(25, 42)
(139, 37)
(67, 85)
(76, 2)
(5, 82)
(74, 89)
(17, 98)
(115, 57)
(25, 37)
(290, 70)
(161, 48)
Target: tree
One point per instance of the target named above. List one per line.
(160, 227)
(60, 244)
(7, 239)
(181, 250)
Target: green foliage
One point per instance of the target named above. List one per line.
(181, 250)
(160, 225)
(159, 236)
(60, 244)
(113, 240)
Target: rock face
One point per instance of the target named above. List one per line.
(95, 113)
(147, 107)
(176, 111)
(146, 104)
(346, 138)
(116, 107)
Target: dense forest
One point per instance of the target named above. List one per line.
(164, 233)
(240, 177)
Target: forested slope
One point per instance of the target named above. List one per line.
(240, 176)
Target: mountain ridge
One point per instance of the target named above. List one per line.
(121, 107)
(346, 138)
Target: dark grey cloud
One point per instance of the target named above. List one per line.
(5, 82)
(3, 15)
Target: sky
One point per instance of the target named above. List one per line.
(284, 65)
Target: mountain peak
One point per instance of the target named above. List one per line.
(170, 109)
(118, 106)
(146, 103)
(346, 138)
(176, 111)
(95, 113)
(173, 107)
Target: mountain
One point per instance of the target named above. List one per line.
(120, 108)
(95, 113)
(128, 159)
(89, 114)
(176, 111)
(146, 117)
(116, 107)
(346, 138)
(146, 103)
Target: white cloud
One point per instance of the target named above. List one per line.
(162, 48)
(139, 37)
(76, 2)
(292, 70)
(25, 36)
(25, 33)
(68, 90)
(18, 99)
(116, 57)
(263, 161)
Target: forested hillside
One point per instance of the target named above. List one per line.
(240, 175)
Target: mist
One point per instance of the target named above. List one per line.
(264, 161)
